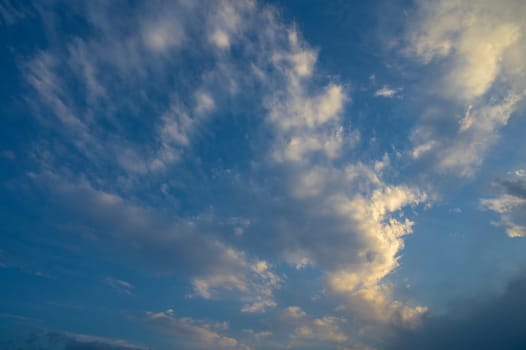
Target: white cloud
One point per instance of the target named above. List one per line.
(476, 134)
(503, 204)
(476, 35)
(255, 281)
(508, 206)
(473, 47)
(361, 281)
(386, 91)
(341, 216)
(348, 204)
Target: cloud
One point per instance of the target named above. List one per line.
(496, 323)
(325, 329)
(191, 333)
(133, 67)
(313, 202)
(293, 328)
(470, 50)
(476, 134)
(52, 340)
(348, 204)
(11, 13)
(170, 247)
(386, 92)
(120, 285)
(476, 36)
(510, 205)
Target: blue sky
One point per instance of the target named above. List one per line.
(262, 175)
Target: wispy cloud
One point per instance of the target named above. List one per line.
(120, 285)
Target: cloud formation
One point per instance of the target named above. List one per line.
(210, 147)
(193, 334)
(475, 46)
(510, 205)
(169, 247)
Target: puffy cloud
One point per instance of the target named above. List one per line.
(380, 235)
(352, 235)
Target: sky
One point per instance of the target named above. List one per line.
(244, 175)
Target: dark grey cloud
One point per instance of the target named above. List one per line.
(497, 323)
(514, 187)
(70, 341)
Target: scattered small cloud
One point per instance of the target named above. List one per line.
(386, 92)
(120, 285)
(510, 204)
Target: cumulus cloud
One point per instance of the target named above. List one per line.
(349, 203)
